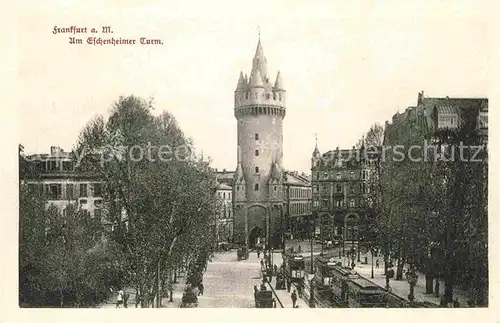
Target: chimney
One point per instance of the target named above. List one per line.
(420, 97)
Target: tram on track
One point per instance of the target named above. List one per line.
(340, 287)
(294, 266)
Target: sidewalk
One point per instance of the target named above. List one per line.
(401, 287)
(177, 293)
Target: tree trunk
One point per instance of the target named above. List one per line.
(399, 271)
(429, 280)
(448, 287)
(386, 263)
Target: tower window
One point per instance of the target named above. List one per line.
(256, 169)
(267, 96)
(246, 95)
(275, 188)
(256, 187)
(274, 96)
(256, 136)
(256, 152)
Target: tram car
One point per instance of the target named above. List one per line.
(331, 280)
(294, 266)
(364, 293)
(263, 299)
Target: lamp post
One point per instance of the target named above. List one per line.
(372, 262)
(311, 287)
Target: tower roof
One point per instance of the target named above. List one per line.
(276, 174)
(260, 62)
(241, 83)
(256, 79)
(238, 175)
(279, 83)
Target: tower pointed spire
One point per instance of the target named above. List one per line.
(316, 150)
(278, 85)
(260, 61)
(241, 82)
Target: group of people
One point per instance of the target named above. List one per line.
(122, 298)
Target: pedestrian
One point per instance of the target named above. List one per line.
(200, 288)
(299, 287)
(294, 298)
(300, 249)
(258, 253)
(274, 302)
(275, 269)
(262, 264)
(125, 299)
(377, 264)
(119, 298)
(288, 284)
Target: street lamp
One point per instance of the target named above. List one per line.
(372, 262)
(412, 279)
(311, 287)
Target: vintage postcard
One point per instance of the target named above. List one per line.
(326, 155)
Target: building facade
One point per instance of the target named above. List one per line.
(224, 218)
(53, 176)
(297, 205)
(338, 192)
(259, 108)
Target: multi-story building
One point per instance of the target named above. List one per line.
(297, 205)
(435, 114)
(259, 108)
(224, 218)
(338, 190)
(53, 176)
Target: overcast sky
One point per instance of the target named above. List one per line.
(344, 64)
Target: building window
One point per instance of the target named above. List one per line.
(352, 189)
(352, 175)
(256, 187)
(224, 195)
(83, 190)
(363, 175)
(97, 190)
(83, 201)
(352, 203)
(69, 191)
(55, 191)
(237, 188)
(246, 95)
(267, 96)
(256, 169)
(339, 188)
(339, 203)
(338, 176)
(325, 203)
(256, 152)
(363, 188)
(256, 136)
(52, 166)
(275, 188)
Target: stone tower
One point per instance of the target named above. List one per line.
(259, 108)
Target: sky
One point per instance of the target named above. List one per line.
(345, 65)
